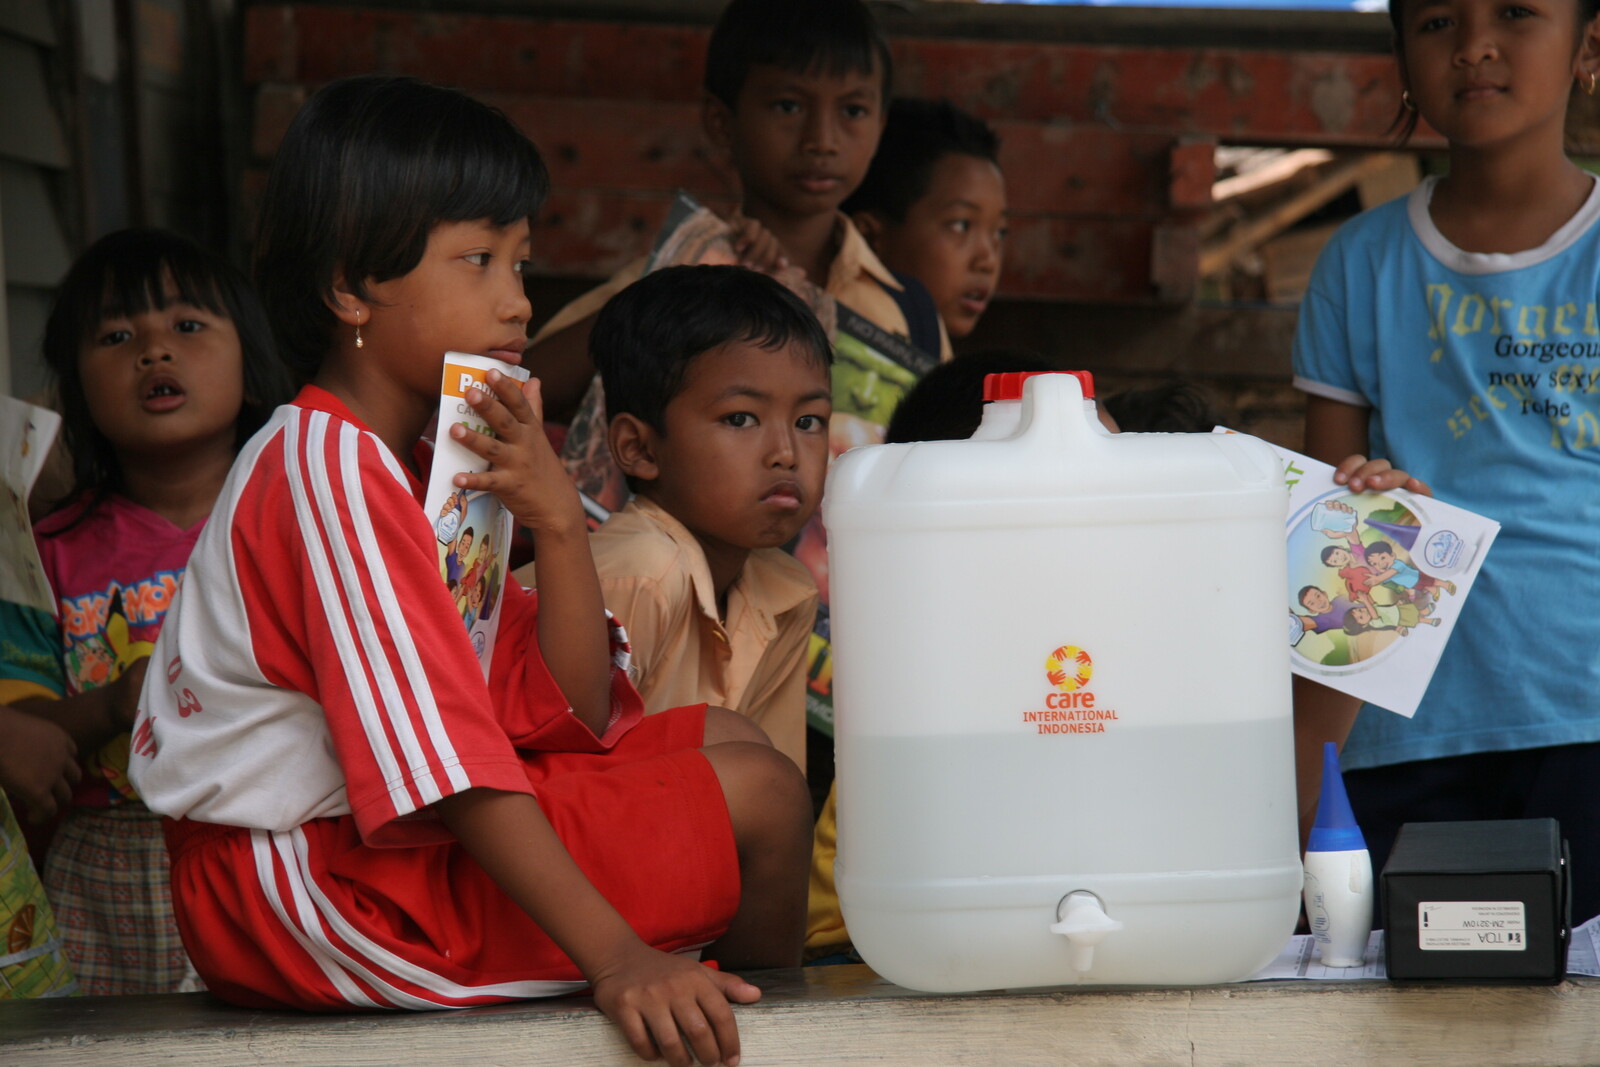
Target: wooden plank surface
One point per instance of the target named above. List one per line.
(846, 1015)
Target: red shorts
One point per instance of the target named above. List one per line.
(312, 918)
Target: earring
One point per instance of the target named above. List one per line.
(359, 342)
(1405, 101)
(1590, 87)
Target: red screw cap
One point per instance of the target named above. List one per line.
(1008, 386)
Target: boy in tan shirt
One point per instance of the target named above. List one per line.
(718, 398)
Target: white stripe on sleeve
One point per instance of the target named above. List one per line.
(405, 647)
(329, 587)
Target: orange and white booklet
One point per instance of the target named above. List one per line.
(473, 528)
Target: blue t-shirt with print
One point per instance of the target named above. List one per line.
(1482, 372)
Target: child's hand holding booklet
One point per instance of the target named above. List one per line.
(473, 528)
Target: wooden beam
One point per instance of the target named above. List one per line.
(847, 1015)
(1193, 170)
(1253, 231)
(1238, 95)
(1302, 29)
(311, 44)
(1281, 169)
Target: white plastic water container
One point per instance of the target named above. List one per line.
(1063, 727)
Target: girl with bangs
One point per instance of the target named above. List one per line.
(164, 366)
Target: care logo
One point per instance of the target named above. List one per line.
(1071, 706)
(1069, 668)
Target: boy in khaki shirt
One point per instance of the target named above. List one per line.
(718, 398)
(796, 92)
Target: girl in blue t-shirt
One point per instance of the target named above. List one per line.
(1455, 332)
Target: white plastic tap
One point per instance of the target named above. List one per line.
(1082, 920)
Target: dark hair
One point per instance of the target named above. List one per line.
(647, 335)
(1300, 597)
(1383, 547)
(916, 136)
(1330, 550)
(1404, 123)
(368, 168)
(947, 404)
(1406, 118)
(835, 37)
(1352, 625)
(1173, 407)
(127, 273)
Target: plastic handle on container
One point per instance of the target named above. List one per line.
(1053, 421)
(1082, 920)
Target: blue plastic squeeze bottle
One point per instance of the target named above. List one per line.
(1338, 891)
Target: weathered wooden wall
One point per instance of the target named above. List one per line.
(112, 114)
(1107, 150)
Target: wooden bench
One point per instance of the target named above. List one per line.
(848, 1015)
